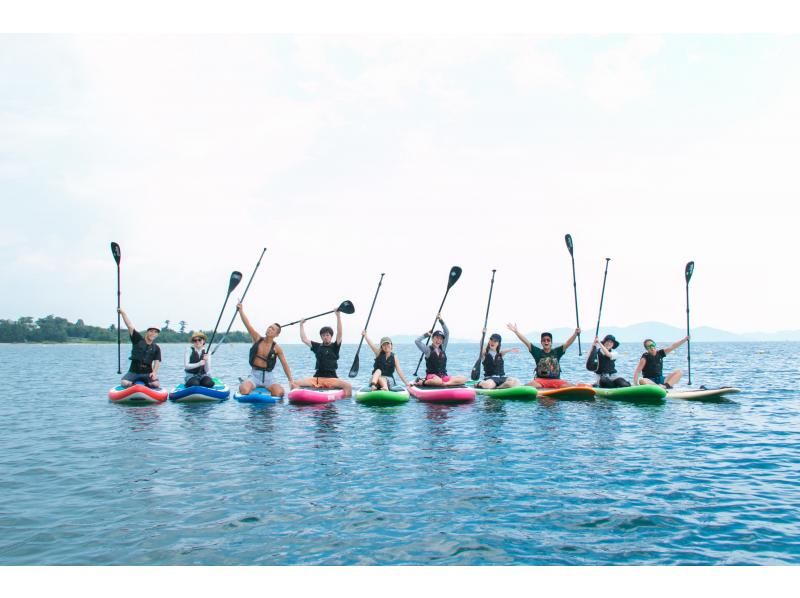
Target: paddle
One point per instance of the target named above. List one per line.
(241, 300)
(568, 239)
(476, 369)
(593, 350)
(455, 274)
(346, 307)
(236, 278)
(688, 274)
(117, 253)
(354, 370)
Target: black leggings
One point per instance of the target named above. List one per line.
(615, 383)
(200, 381)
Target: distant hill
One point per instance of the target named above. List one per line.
(665, 333)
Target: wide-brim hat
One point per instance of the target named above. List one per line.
(199, 334)
(610, 337)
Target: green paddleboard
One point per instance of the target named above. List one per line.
(644, 393)
(517, 393)
(381, 397)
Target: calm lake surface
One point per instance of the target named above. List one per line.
(84, 481)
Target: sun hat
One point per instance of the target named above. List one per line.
(199, 334)
(610, 337)
(385, 340)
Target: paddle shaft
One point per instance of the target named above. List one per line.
(354, 369)
(241, 299)
(237, 277)
(689, 342)
(476, 369)
(428, 340)
(325, 313)
(575, 292)
(602, 294)
(119, 323)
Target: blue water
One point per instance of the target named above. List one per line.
(84, 481)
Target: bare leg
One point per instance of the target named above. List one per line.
(643, 381)
(246, 387)
(509, 383)
(383, 382)
(534, 383)
(673, 378)
(433, 381)
(488, 384)
(456, 380)
(276, 390)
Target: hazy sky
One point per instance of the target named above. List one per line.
(348, 156)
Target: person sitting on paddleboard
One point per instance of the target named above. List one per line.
(264, 354)
(436, 358)
(548, 368)
(385, 365)
(601, 361)
(145, 356)
(327, 353)
(651, 365)
(197, 362)
(494, 372)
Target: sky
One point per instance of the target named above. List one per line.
(349, 155)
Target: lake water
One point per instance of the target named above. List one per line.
(84, 481)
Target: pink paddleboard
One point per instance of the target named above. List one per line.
(442, 394)
(314, 396)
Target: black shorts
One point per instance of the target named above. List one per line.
(498, 380)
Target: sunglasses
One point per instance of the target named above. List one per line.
(197, 340)
(650, 346)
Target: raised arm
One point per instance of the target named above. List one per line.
(513, 328)
(511, 350)
(571, 339)
(125, 319)
(369, 342)
(675, 345)
(303, 336)
(285, 366)
(426, 350)
(338, 327)
(252, 331)
(601, 347)
(446, 331)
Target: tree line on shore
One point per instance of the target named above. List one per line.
(55, 329)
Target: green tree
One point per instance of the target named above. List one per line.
(182, 325)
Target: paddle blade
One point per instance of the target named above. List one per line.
(455, 274)
(568, 239)
(236, 278)
(476, 369)
(354, 370)
(347, 307)
(689, 271)
(115, 251)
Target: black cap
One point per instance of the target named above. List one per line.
(610, 337)
(438, 333)
(496, 337)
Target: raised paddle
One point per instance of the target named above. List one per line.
(241, 300)
(354, 370)
(115, 251)
(346, 307)
(455, 274)
(476, 369)
(236, 278)
(593, 351)
(688, 274)
(568, 239)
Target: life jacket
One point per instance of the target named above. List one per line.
(493, 366)
(605, 365)
(142, 356)
(269, 363)
(327, 360)
(195, 358)
(436, 363)
(653, 364)
(384, 364)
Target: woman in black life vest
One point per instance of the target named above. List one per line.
(197, 363)
(436, 358)
(494, 370)
(385, 365)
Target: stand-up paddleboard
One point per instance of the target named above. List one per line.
(569, 393)
(258, 395)
(643, 393)
(516, 393)
(397, 395)
(702, 394)
(200, 394)
(314, 396)
(443, 394)
(137, 394)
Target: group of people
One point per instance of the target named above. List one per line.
(145, 360)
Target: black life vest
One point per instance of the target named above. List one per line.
(436, 363)
(605, 365)
(384, 364)
(327, 360)
(653, 364)
(142, 357)
(493, 367)
(264, 365)
(195, 358)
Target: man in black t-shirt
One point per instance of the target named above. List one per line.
(327, 354)
(145, 356)
(651, 365)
